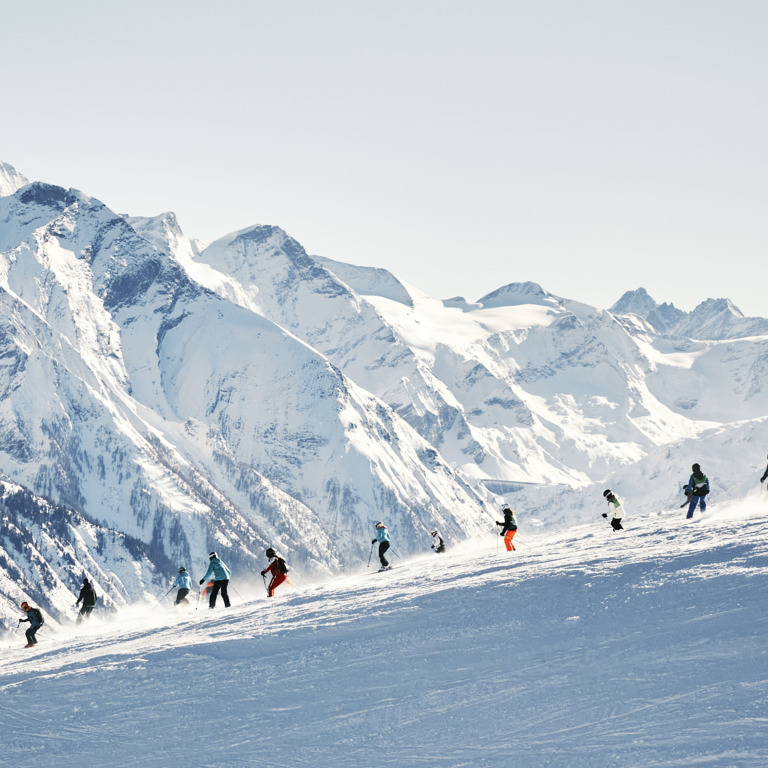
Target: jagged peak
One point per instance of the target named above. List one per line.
(10, 179)
(165, 224)
(637, 302)
(50, 195)
(717, 306)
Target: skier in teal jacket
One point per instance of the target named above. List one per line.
(183, 583)
(221, 575)
(382, 536)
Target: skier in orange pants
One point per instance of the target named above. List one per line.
(509, 528)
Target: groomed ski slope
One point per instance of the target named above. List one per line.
(583, 648)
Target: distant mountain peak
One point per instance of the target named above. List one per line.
(515, 294)
(712, 319)
(10, 179)
(717, 306)
(637, 302)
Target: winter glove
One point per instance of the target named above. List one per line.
(201, 581)
(498, 523)
(501, 534)
(263, 573)
(605, 514)
(373, 541)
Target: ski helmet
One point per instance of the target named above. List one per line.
(607, 493)
(25, 606)
(434, 533)
(379, 525)
(182, 569)
(271, 552)
(696, 468)
(212, 555)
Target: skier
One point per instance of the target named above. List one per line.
(183, 583)
(382, 536)
(509, 528)
(35, 619)
(617, 508)
(698, 487)
(221, 575)
(89, 598)
(765, 474)
(439, 544)
(278, 569)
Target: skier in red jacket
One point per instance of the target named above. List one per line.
(278, 569)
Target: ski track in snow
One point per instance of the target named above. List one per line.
(584, 647)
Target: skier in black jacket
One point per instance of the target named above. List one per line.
(88, 596)
(508, 528)
(765, 474)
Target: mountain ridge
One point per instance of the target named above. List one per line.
(244, 393)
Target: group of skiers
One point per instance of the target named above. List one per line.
(218, 574)
(34, 615)
(695, 490)
(382, 537)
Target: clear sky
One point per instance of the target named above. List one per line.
(592, 147)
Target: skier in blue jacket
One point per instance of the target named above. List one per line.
(382, 536)
(698, 488)
(35, 619)
(220, 574)
(183, 583)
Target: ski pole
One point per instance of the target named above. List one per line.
(265, 583)
(197, 604)
(238, 594)
(166, 594)
(13, 634)
(373, 544)
(395, 553)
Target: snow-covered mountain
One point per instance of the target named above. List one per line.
(245, 393)
(715, 319)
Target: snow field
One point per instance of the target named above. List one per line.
(582, 648)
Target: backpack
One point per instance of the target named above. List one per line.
(37, 613)
(282, 566)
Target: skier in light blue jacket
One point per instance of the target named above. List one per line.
(382, 536)
(183, 583)
(220, 574)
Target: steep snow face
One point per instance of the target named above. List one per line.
(10, 179)
(368, 281)
(518, 387)
(185, 419)
(277, 277)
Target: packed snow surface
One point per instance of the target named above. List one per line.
(585, 647)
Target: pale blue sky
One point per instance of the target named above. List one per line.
(592, 147)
